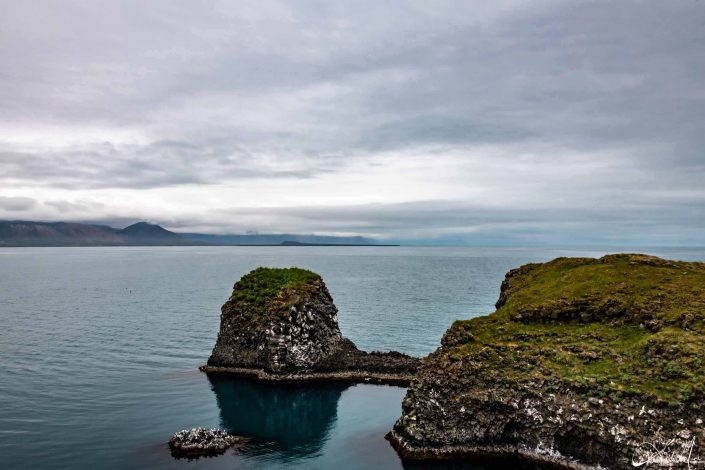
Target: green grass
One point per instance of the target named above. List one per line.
(643, 333)
(636, 287)
(262, 285)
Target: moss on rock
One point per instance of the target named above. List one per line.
(623, 323)
(586, 360)
(282, 324)
(263, 285)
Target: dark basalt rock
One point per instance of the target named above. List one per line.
(202, 442)
(586, 364)
(281, 324)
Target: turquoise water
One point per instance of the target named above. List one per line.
(99, 349)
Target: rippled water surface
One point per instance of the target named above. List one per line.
(99, 349)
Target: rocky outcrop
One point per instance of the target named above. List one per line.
(202, 442)
(282, 325)
(586, 363)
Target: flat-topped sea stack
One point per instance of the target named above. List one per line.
(586, 363)
(282, 325)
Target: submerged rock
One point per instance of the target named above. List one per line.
(586, 363)
(202, 442)
(281, 324)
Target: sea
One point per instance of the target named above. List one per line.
(100, 348)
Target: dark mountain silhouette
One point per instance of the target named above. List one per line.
(19, 232)
(30, 233)
(144, 230)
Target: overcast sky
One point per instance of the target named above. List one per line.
(482, 122)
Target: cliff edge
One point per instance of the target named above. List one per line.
(282, 325)
(586, 363)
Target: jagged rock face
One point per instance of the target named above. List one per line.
(282, 324)
(202, 442)
(571, 370)
(457, 414)
(290, 328)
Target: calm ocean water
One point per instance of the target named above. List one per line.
(99, 349)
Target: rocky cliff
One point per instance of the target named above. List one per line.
(281, 324)
(586, 363)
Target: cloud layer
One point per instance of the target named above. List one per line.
(480, 122)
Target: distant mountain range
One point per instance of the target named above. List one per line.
(28, 233)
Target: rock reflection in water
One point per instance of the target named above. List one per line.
(297, 418)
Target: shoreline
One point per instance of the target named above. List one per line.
(549, 458)
(352, 376)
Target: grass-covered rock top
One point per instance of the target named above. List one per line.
(621, 325)
(263, 285)
(282, 325)
(586, 363)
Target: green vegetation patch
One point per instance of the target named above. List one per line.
(621, 325)
(628, 288)
(262, 285)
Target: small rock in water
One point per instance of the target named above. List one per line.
(201, 442)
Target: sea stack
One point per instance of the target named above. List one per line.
(586, 363)
(282, 325)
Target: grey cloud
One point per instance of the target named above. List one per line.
(162, 163)
(584, 73)
(299, 90)
(442, 221)
(657, 224)
(17, 203)
(64, 207)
